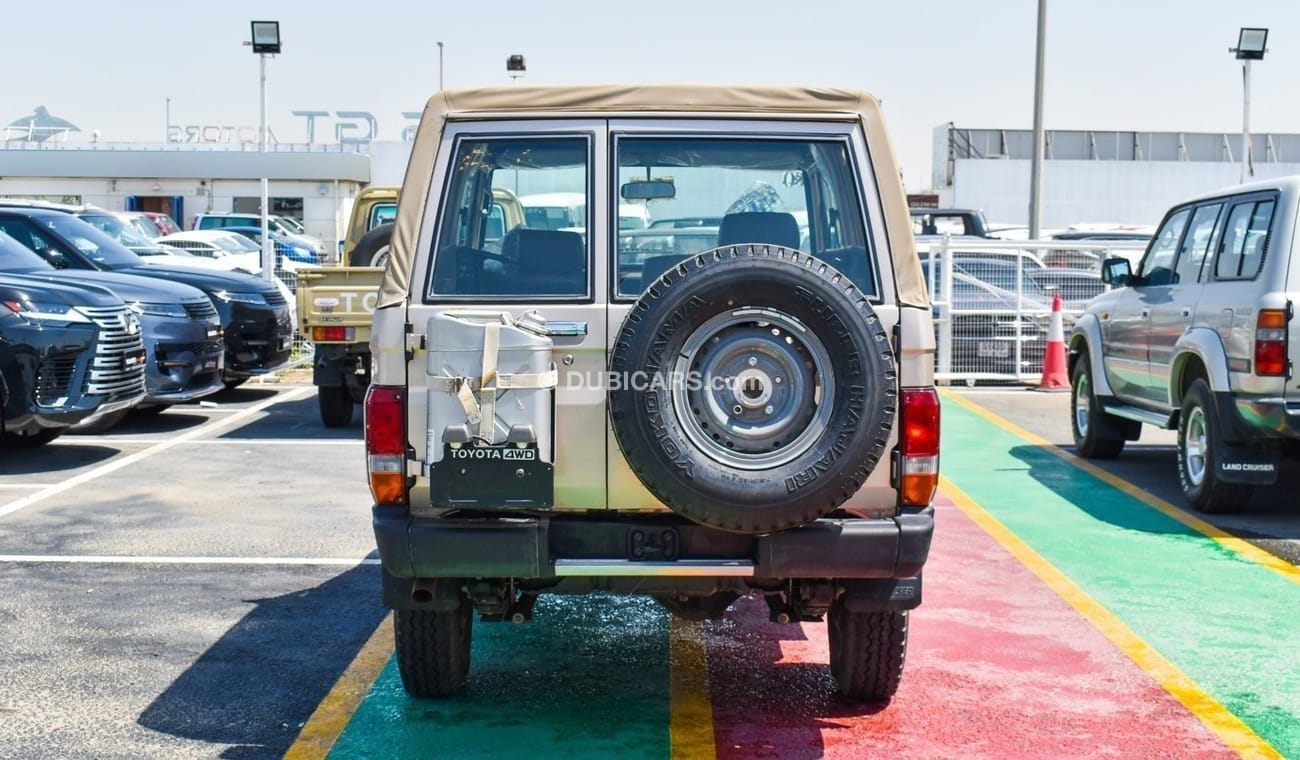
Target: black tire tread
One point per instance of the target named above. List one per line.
(369, 243)
(336, 405)
(1094, 445)
(1213, 496)
(433, 650)
(868, 650)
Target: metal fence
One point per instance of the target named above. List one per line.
(992, 300)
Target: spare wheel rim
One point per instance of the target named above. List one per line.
(749, 388)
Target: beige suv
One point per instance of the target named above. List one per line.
(569, 409)
(1199, 339)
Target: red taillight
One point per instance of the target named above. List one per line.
(919, 447)
(1270, 343)
(332, 334)
(386, 443)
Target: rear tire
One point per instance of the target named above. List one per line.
(32, 440)
(1199, 444)
(336, 404)
(1087, 419)
(372, 249)
(433, 649)
(867, 651)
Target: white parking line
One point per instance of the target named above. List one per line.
(93, 559)
(26, 485)
(130, 459)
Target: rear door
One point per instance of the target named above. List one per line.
(469, 265)
(1173, 306)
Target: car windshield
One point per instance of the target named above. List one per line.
(17, 258)
(92, 242)
(290, 224)
(119, 230)
(236, 243)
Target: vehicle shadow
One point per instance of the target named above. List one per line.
(62, 454)
(295, 419)
(1271, 512)
(260, 682)
(771, 686)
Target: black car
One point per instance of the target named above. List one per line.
(68, 353)
(254, 314)
(986, 326)
(180, 327)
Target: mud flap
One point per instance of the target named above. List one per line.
(1238, 464)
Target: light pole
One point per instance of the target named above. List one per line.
(515, 67)
(1251, 43)
(167, 135)
(266, 41)
(1036, 158)
(439, 66)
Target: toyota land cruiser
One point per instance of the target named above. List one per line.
(566, 410)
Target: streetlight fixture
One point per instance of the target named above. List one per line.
(265, 41)
(515, 67)
(1251, 45)
(440, 66)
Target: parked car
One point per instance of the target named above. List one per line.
(988, 322)
(958, 222)
(150, 224)
(179, 326)
(373, 206)
(285, 247)
(1198, 338)
(68, 353)
(282, 224)
(256, 322)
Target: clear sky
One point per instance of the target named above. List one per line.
(1111, 64)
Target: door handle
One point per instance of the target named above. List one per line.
(566, 329)
(1187, 311)
(1146, 313)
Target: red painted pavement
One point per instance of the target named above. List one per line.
(998, 666)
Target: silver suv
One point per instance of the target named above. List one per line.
(569, 409)
(1199, 339)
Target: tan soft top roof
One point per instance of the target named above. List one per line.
(609, 100)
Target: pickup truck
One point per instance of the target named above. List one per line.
(335, 308)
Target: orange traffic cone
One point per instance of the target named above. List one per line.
(1054, 374)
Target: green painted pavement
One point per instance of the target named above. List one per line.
(587, 678)
(1231, 625)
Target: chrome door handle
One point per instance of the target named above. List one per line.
(566, 329)
(1187, 311)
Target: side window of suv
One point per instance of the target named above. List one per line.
(1157, 265)
(1196, 244)
(534, 261)
(1245, 240)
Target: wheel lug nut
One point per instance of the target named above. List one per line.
(776, 380)
(753, 361)
(767, 409)
(737, 409)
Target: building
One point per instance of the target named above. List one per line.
(1095, 176)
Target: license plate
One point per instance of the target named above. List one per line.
(993, 349)
(210, 364)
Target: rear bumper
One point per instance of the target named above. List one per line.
(557, 546)
(1247, 419)
(259, 339)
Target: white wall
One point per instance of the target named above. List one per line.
(1134, 192)
(325, 214)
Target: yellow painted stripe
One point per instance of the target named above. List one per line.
(1241, 547)
(1228, 727)
(326, 724)
(691, 719)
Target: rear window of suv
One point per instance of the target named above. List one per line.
(1245, 240)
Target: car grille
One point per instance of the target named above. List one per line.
(108, 374)
(275, 298)
(54, 378)
(200, 310)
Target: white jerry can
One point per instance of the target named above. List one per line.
(491, 380)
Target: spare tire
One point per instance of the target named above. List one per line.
(372, 248)
(754, 388)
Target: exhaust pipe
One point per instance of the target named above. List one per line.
(422, 590)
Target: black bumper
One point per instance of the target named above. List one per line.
(1247, 420)
(259, 339)
(488, 547)
(42, 372)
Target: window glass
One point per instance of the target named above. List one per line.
(1245, 239)
(1156, 266)
(381, 213)
(516, 222)
(1196, 244)
(699, 193)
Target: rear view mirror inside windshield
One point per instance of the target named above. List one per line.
(648, 190)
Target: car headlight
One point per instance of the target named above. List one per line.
(158, 309)
(235, 297)
(45, 312)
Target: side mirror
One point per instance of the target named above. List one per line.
(1116, 272)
